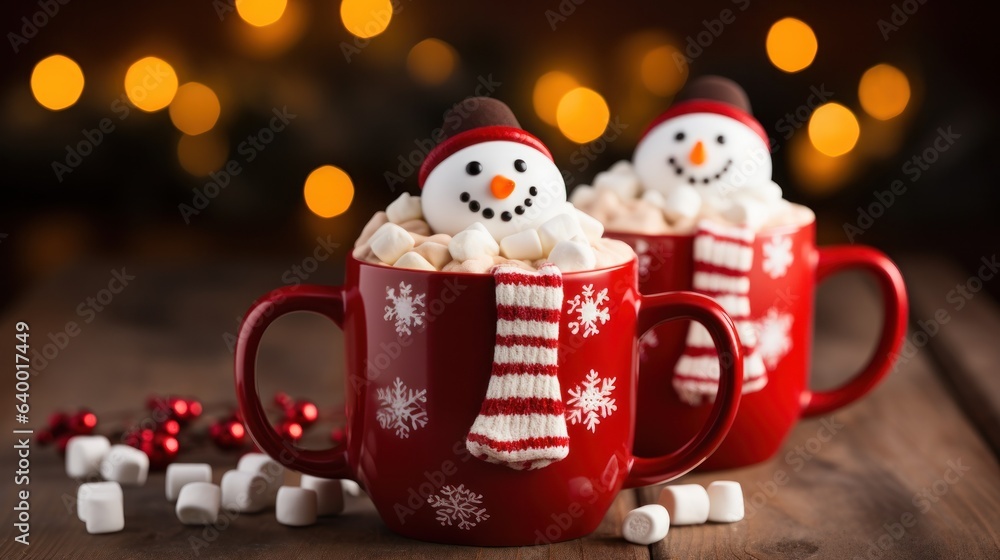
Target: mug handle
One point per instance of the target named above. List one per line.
(325, 300)
(894, 303)
(657, 308)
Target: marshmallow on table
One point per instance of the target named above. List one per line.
(524, 245)
(85, 491)
(329, 494)
(270, 470)
(100, 505)
(84, 454)
(243, 491)
(573, 254)
(435, 253)
(473, 243)
(351, 488)
(126, 465)
(558, 228)
(414, 261)
(391, 242)
(725, 498)
(646, 525)
(687, 504)
(179, 474)
(404, 209)
(620, 179)
(296, 507)
(198, 503)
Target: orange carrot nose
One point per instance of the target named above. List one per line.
(697, 155)
(501, 187)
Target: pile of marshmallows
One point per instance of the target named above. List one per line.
(615, 199)
(255, 484)
(684, 504)
(400, 237)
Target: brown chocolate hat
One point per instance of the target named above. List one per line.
(716, 88)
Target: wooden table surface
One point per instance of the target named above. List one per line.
(910, 472)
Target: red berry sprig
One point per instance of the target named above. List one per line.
(63, 426)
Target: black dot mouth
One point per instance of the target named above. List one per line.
(691, 179)
(489, 213)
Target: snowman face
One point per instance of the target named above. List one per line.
(707, 151)
(506, 186)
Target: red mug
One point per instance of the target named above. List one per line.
(419, 351)
(786, 268)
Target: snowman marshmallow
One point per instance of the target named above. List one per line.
(488, 170)
(708, 154)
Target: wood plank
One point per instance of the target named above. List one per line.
(164, 334)
(965, 330)
(848, 497)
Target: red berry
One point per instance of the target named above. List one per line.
(171, 427)
(228, 434)
(289, 430)
(44, 437)
(194, 408)
(305, 413)
(283, 400)
(83, 422)
(338, 435)
(59, 422)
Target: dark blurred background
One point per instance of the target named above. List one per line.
(73, 192)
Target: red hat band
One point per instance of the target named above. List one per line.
(476, 136)
(714, 107)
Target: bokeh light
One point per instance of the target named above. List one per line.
(582, 115)
(549, 89)
(328, 191)
(57, 82)
(274, 39)
(431, 61)
(817, 173)
(202, 154)
(791, 44)
(833, 129)
(366, 18)
(150, 83)
(884, 91)
(194, 109)
(260, 13)
(663, 70)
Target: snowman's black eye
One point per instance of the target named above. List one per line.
(679, 136)
(474, 168)
(520, 165)
(721, 139)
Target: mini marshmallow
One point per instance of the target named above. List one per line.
(391, 242)
(351, 488)
(592, 228)
(725, 498)
(416, 228)
(126, 465)
(179, 474)
(198, 503)
(687, 504)
(583, 195)
(559, 228)
(573, 254)
(682, 202)
(472, 243)
(435, 253)
(404, 209)
(329, 494)
(377, 221)
(646, 525)
(84, 454)
(654, 198)
(413, 260)
(90, 489)
(620, 179)
(103, 511)
(296, 507)
(270, 470)
(524, 245)
(244, 491)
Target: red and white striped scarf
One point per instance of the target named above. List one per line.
(522, 421)
(723, 257)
